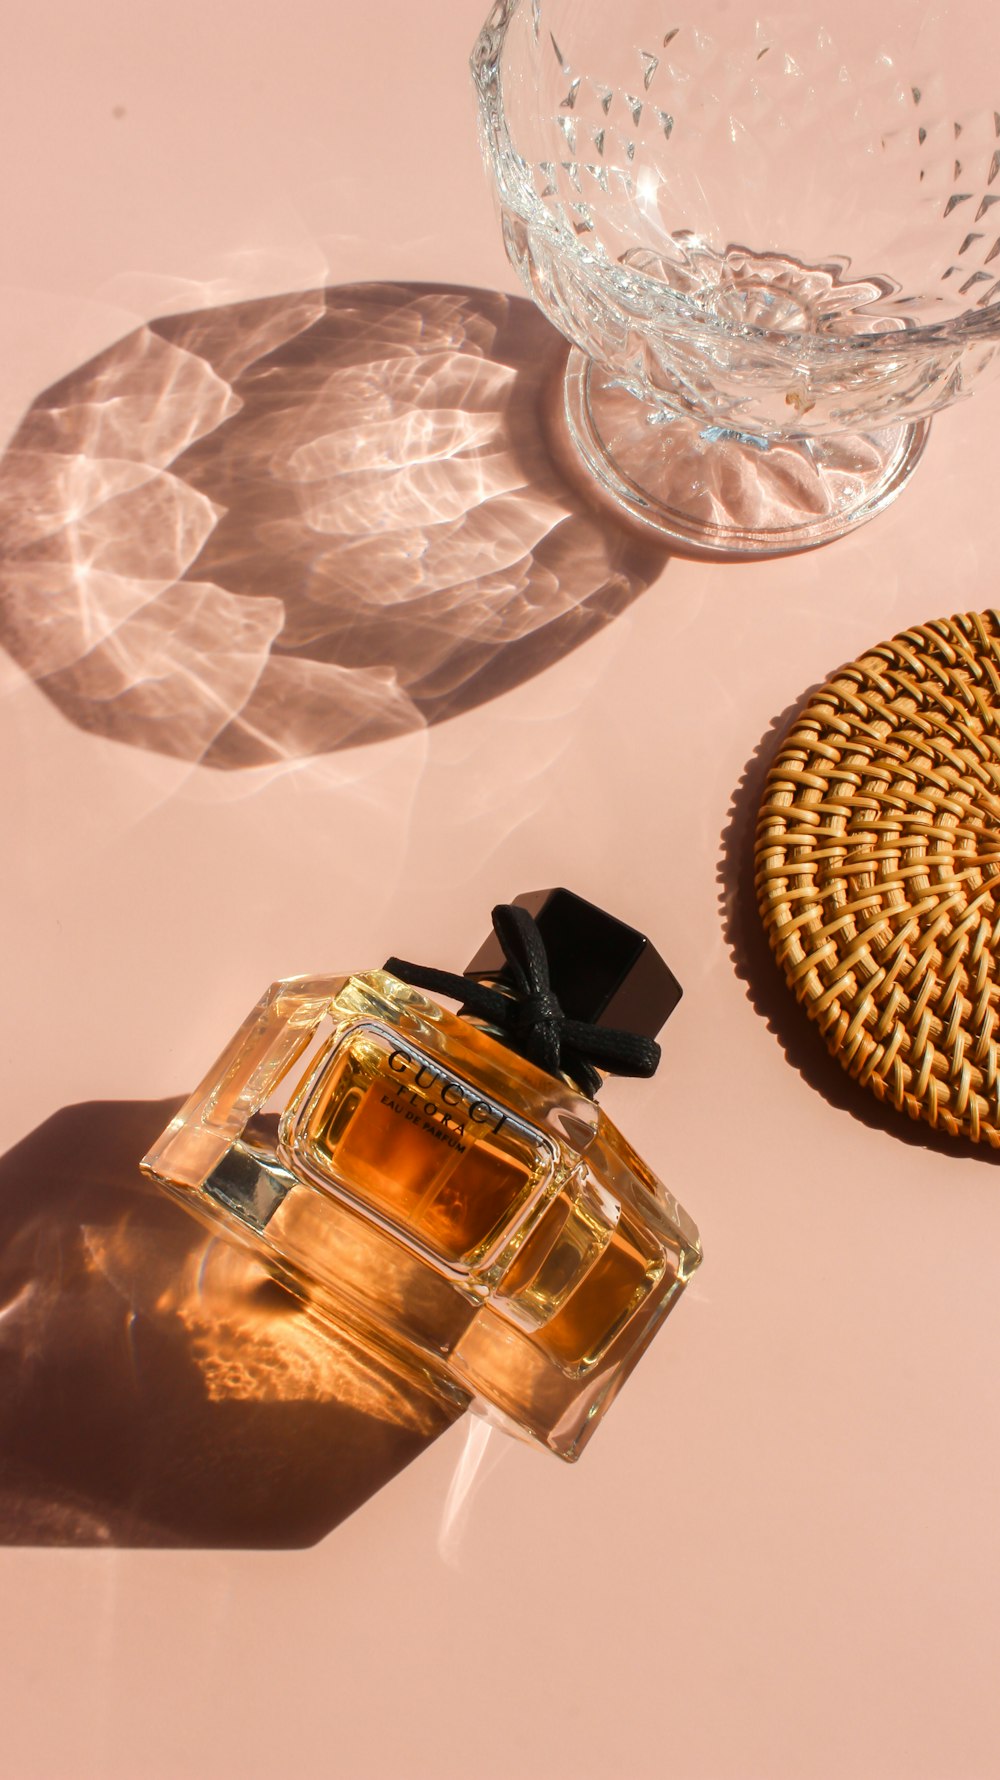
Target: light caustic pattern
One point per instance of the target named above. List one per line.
(292, 525)
(156, 1387)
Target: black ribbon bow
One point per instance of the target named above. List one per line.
(530, 1016)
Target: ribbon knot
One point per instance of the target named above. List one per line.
(529, 1015)
(536, 1010)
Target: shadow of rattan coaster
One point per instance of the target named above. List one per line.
(878, 870)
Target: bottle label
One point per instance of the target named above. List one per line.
(421, 1091)
(450, 1170)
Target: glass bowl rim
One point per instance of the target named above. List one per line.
(971, 326)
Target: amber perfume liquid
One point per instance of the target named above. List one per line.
(470, 1215)
(425, 1152)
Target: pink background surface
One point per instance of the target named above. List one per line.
(780, 1557)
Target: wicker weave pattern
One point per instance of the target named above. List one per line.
(878, 870)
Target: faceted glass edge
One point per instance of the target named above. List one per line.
(231, 1176)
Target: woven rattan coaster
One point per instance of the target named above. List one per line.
(878, 870)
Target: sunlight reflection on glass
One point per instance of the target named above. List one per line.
(482, 1450)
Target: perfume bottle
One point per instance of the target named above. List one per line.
(442, 1185)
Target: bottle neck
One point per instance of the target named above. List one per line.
(508, 1040)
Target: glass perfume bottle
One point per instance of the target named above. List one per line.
(442, 1185)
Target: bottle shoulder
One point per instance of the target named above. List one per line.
(468, 1051)
(581, 1129)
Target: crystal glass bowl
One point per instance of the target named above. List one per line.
(771, 237)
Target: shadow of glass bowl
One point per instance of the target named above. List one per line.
(284, 527)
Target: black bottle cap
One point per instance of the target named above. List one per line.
(602, 970)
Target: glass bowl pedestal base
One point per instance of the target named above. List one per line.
(719, 493)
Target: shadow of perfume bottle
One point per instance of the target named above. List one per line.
(156, 1388)
(293, 525)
